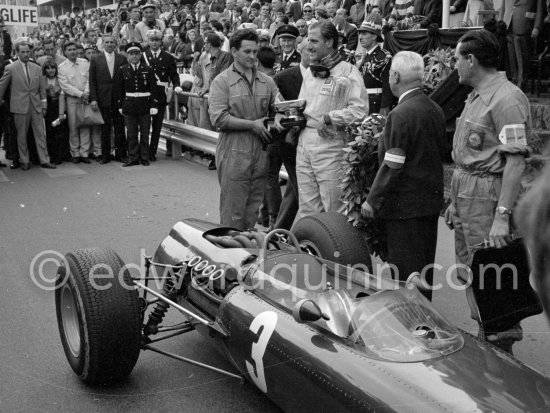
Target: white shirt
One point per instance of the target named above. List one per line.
(73, 77)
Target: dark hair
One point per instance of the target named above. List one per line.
(132, 7)
(483, 45)
(322, 13)
(280, 10)
(240, 35)
(214, 40)
(17, 45)
(48, 41)
(216, 25)
(238, 9)
(255, 6)
(267, 57)
(328, 31)
(47, 65)
(284, 19)
(69, 43)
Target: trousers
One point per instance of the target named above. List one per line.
(137, 127)
(79, 138)
(22, 123)
(318, 173)
(241, 164)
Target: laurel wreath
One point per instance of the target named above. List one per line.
(360, 165)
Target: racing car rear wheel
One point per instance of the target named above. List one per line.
(98, 315)
(330, 236)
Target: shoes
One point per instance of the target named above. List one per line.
(85, 160)
(122, 159)
(58, 162)
(25, 166)
(94, 157)
(47, 166)
(168, 154)
(145, 163)
(76, 159)
(103, 161)
(152, 158)
(2, 165)
(15, 165)
(130, 163)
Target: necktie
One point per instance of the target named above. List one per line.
(110, 64)
(27, 71)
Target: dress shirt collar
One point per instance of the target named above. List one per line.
(135, 67)
(109, 55)
(408, 92)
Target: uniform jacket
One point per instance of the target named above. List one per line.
(289, 82)
(101, 82)
(416, 127)
(523, 15)
(294, 60)
(141, 81)
(24, 96)
(165, 70)
(375, 68)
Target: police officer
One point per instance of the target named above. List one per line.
(164, 66)
(289, 56)
(137, 102)
(375, 65)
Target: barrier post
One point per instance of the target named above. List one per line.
(446, 14)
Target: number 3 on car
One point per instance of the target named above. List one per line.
(267, 320)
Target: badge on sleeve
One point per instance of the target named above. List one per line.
(395, 158)
(514, 133)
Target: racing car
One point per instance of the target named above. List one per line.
(290, 310)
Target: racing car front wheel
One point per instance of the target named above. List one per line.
(98, 315)
(330, 236)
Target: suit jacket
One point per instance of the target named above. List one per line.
(24, 96)
(351, 37)
(410, 184)
(523, 15)
(289, 82)
(101, 82)
(166, 71)
(430, 9)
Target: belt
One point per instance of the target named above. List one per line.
(138, 95)
(374, 91)
(476, 172)
(165, 84)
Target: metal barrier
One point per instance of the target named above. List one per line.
(193, 137)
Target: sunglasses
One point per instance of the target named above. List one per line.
(308, 11)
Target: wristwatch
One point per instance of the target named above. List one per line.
(504, 211)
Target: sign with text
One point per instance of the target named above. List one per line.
(19, 15)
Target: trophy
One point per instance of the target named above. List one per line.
(293, 113)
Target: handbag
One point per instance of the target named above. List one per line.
(500, 283)
(86, 116)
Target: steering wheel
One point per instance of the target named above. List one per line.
(291, 237)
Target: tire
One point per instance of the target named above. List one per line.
(99, 319)
(332, 237)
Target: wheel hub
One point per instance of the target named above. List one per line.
(69, 317)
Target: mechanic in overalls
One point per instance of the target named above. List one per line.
(489, 149)
(335, 97)
(240, 101)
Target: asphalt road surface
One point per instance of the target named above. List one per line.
(48, 212)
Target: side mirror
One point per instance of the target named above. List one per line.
(306, 311)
